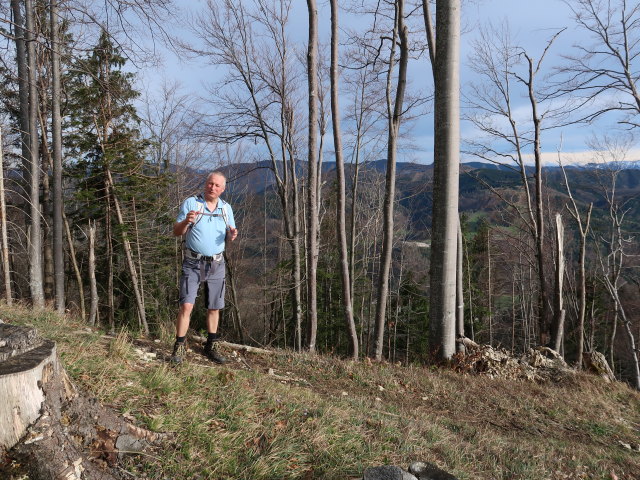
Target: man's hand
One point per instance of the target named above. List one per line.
(191, 216)
(232, 233)
(180, 228)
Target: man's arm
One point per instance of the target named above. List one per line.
(232, 231)
(180, 228)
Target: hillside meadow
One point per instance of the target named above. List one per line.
(289, 415)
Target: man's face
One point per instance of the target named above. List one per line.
(214, 187)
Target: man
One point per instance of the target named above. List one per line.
(206, 221)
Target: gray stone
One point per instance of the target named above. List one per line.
(387, 472)
(428, 471)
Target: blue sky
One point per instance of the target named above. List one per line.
(531, 23)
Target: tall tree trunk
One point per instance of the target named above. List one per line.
(6, 267)
(25, 56)
(110, 271)
(559, 312)
(583, 286)
(312, 192)
(394, 114)
(35, 243)
(347, 304)
(489, 289)
(294, 229)
(23, 96)
(445, 180)
(56, 136)
(459, 290)
(543, 302)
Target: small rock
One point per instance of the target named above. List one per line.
(344, 394)
(128, 444)
(387, 472)
(428, 471)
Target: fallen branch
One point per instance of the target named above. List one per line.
(237, 346)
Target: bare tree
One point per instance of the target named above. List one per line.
(312, 177)
(509, 142)
(612, 152)
(583, 227)
(607, 67)
(340, 186)
(257, 101)
(395, 110)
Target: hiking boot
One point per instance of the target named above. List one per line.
(212, 352)
(179, 353)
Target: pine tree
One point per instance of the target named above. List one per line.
(109, 164)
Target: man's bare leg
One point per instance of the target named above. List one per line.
(213, 316)
(184, 316)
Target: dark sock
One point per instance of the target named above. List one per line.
(212, 337)
(180, 339)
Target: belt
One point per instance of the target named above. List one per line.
(198, 256)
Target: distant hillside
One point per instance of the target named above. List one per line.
(414, 186)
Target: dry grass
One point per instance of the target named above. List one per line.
(332, 418)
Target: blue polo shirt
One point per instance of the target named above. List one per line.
(207, 235)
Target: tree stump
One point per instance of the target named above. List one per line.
(47, 425)
(26, 363)
(595, 362)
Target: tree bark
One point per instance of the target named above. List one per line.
(445, 180)
(347, 303)
(459, 290)
(56, 136)
(35, 244)
(559, 312)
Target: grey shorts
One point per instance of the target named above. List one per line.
(213, 274)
